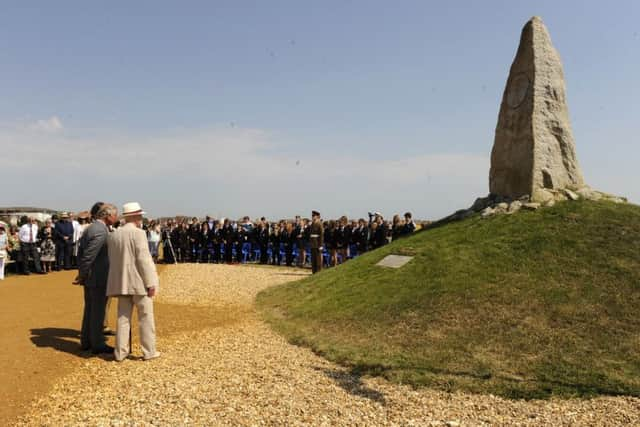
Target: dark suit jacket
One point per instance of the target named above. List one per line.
(93, 264)
(63, 229)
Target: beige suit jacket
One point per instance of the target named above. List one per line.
(131, 268)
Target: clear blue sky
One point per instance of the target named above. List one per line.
(280, 107)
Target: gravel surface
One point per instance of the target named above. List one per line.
(242, 373)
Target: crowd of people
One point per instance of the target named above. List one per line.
(53, 245)
(115, 258)
(285, 242)
(43, 247)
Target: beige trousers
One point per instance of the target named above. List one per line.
(105, 325)
(144, 307)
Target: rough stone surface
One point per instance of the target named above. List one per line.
(487, 212)
(498, 205)
(531, 206)
(480, 204)
(515, 206)
(589, 194)
(571, 195)
(534, 147)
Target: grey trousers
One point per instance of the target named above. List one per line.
(95, 300)
(146, 321)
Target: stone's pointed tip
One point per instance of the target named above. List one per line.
(535, 20)
(536, 24)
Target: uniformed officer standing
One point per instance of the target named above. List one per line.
(317, 241)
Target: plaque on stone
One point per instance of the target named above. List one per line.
(394, 261)
(517, 90)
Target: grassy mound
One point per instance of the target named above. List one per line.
(523, 306)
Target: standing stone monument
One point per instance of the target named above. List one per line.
(533, 161)
(534, 152)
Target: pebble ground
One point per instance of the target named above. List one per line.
(239, 372)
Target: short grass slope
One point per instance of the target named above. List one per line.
(524, 306)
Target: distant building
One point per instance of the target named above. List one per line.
(12, 215)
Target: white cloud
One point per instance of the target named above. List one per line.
(235, 171)
(51, 125)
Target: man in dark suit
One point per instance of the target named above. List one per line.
(216, 241)
(93, 269)
(193, 234)
(185, 244)
(175, 241)
(63, 232)
(316, 239)
(263, 241)
(298, 231)
(169, 255)
(239, 241)
(362, 236)
(228, 238)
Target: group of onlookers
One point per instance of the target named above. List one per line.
(50, 246)
(116, 259)
(285, 242)
(54, 245)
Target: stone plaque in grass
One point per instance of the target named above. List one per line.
(394, 261)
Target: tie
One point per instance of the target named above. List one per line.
(30, 233)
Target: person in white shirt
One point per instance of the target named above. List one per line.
(4, 243)
(74, 239)
(79, 226)
(153, 237)
(28, 235)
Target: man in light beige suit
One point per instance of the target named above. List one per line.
(134, 281)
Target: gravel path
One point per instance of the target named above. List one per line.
(241, 373)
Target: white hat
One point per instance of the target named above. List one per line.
(132, 208)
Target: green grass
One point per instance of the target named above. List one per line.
(524, 306)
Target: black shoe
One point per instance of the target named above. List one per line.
(85, 348)
(108, 333)
(105, 349)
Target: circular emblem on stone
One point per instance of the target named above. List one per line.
(517, 91)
